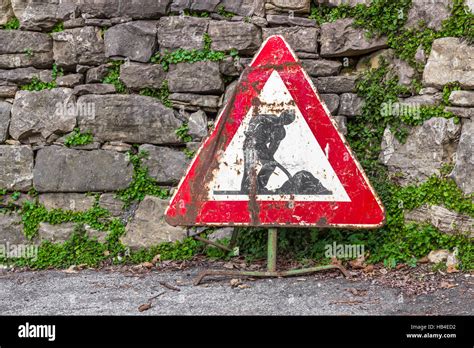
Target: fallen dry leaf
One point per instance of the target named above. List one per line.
(156, 259)
(169, 286)
(424, 260)
(235, 282)
(147, 265)
(228, 265)
(144, 307)
(71, 269)
(447, 285)
(369, 269)
(244, 286)
(358, 263)
(437, 256)
(452, 269)
(452, 262)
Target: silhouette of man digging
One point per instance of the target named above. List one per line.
(262, 140)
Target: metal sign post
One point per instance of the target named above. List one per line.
(275, 159)
(271, 265)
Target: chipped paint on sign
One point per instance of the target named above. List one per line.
(275, 158)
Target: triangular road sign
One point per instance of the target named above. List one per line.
(275, 158)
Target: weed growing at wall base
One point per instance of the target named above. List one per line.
(81, 249)
(402, 241)
(33, 213)
(179, 250)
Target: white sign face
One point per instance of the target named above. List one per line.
(278, 146)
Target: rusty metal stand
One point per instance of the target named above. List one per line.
(271, 265)
(229, 248)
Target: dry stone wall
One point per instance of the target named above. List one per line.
(84, 39)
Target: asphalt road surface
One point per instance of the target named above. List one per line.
(114, 292)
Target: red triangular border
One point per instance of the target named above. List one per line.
(190, 205)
